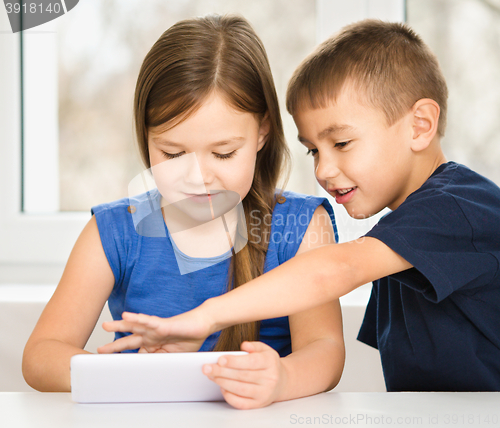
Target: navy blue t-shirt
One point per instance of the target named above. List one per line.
(437, 325)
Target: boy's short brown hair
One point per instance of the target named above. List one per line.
(388, 62)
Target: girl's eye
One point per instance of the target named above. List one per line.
(341, 145)
(172, 155)
(225, 156)
(312, 152)
(217, 155)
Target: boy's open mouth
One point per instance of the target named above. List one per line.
(344, 195)
(344, 191)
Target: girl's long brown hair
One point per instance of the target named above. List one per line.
(190, 61)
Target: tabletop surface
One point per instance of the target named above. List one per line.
(408, 409)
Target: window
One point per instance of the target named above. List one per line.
(74, 98)
(96, 70)
(465, 36)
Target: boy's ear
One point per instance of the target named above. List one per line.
(265, 127)
(425, 120)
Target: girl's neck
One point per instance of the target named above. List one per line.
(205, 240)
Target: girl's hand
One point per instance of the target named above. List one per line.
(249, 381)
(182, 333)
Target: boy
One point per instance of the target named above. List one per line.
(370, 106)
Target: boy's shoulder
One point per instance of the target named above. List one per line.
(454, 202)
(452, 188)
(457, 180)
(452, 195)
(448, 229)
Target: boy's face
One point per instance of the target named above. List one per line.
(358, 159)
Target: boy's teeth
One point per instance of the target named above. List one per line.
(344, 191)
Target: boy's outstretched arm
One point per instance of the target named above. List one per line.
(310, 279)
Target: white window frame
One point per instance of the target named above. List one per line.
(34, 247)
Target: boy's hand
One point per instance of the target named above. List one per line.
(182, 333)
(249, 381)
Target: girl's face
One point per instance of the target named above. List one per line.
(206, 163)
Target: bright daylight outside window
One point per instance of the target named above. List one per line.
(465, 35)
(100, 47)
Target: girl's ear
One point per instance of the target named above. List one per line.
(264, 128)
(425, 120)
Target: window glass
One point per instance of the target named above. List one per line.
(101, 45)
(465, 36)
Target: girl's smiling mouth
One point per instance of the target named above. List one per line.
(202, 198)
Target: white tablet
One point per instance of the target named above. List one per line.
(133, 378)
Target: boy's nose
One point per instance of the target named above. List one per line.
(326, 169)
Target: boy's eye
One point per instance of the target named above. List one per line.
(312, 152)
(225, 156)
(172, 155)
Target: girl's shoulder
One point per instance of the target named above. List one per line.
(138, 205)
(124, 218)
(288, 201)
(129, 212)
(293, 212)
(294, 196)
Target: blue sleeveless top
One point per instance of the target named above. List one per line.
(146, 270)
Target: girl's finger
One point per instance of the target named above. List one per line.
(248, 376)
(146, 320)
(111, 326)
(254, 361)
(238, 402)
(255, 347)
(122, 326)
(242, 389)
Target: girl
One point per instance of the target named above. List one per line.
(208, 125)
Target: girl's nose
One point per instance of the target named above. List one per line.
(192, 172)
(199, 172)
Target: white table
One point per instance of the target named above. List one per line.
(56, 410)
